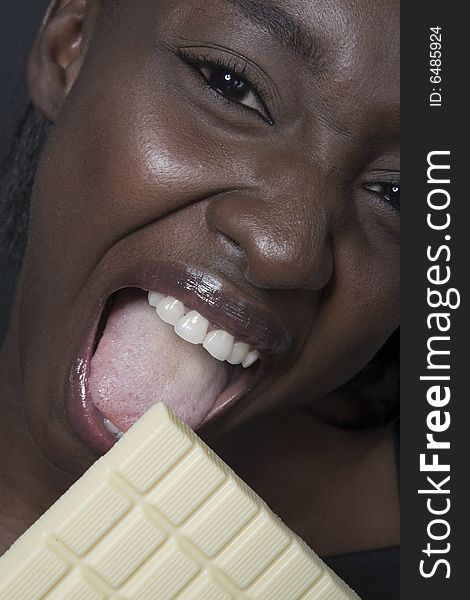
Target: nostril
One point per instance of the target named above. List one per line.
(216, 219)
(234, 243)
(229, 241)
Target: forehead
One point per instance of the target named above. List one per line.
(333, 29)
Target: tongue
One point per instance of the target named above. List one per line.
(141, 361)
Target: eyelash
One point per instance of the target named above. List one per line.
(238, 70)
(383, 196)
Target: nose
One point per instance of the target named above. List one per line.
(281, 228)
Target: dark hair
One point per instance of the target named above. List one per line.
(378, 380)
(16, 183)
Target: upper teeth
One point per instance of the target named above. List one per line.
(192, 327)
(170, 310)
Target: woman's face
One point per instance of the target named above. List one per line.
(239, 156)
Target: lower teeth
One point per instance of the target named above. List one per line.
(111, 427)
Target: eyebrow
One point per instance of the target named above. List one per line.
(288, 30)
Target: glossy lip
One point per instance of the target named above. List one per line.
(220, 302)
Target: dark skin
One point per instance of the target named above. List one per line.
(282, 193)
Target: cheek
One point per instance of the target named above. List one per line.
(356, 314)
(108, 172)
(366, 288)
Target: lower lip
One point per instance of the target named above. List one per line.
(243, 384)
(84, 417)
(87, 420)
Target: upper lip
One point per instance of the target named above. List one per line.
(245, 317)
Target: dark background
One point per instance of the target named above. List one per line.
(19, 21)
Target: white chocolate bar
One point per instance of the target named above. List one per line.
(161, 517)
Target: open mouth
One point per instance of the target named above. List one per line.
(150, 347)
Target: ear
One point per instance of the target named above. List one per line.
(57, 55)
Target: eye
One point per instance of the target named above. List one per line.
(232, 77)
(234, 86)
(387, 191)
(231, 85)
